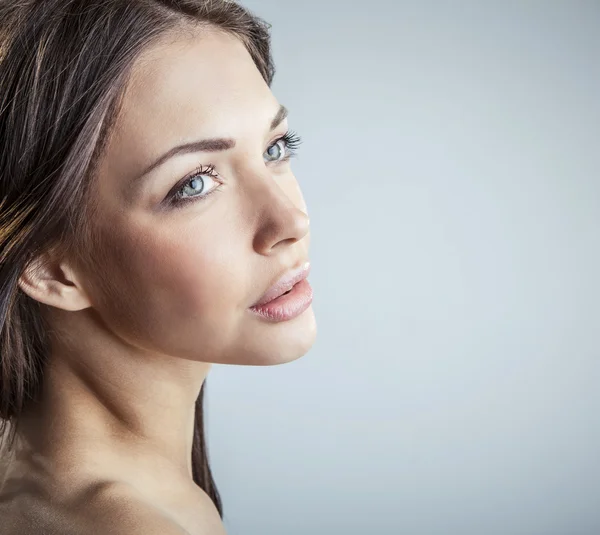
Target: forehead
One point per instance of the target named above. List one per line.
(187, 88)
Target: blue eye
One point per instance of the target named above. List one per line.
(196, 186)
(276, 151)
(283, 148)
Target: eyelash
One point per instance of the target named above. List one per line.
(176, 199)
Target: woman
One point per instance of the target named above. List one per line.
(150, 224)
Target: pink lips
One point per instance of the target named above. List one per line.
(287, 299)
(285, 283)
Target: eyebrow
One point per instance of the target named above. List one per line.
(207, 145)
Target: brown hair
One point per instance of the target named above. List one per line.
(64, 67)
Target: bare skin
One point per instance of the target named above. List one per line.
(108, 447)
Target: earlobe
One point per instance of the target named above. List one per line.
(53, 283)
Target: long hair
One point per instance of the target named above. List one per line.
(64, 68)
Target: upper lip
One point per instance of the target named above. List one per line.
(284, 283)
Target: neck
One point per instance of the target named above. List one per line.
(121, 412)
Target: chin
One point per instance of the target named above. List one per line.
(271, 344)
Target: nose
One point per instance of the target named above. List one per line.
(280, 213)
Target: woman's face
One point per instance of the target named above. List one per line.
(179, 278)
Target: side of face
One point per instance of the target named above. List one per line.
(178, 279)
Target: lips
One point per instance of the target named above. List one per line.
(285, 283)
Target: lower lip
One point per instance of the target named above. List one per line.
(288, 306)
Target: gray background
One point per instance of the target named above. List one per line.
(451, 169)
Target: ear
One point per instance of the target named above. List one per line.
(53, 282)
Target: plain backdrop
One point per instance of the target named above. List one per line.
(451, 167)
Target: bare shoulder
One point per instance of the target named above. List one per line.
(117, 509)
(102, 509)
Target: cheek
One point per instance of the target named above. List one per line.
(174, 290)
(197, 276)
